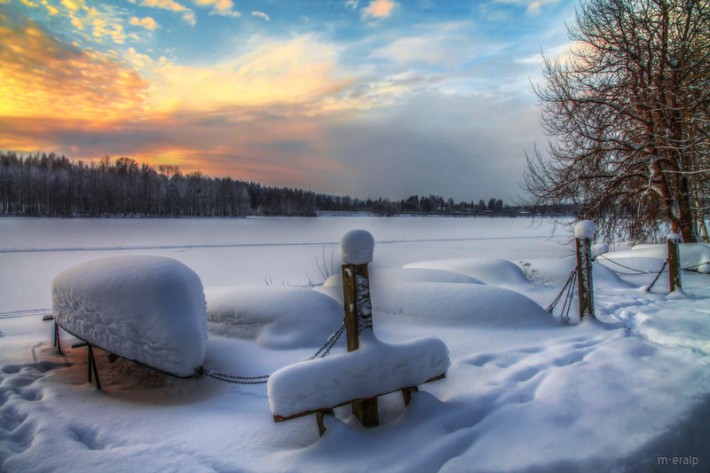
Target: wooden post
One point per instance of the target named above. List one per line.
(357, 247)
(673, 240)
(584, 233)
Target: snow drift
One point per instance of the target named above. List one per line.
(274, 317)
(148, 309)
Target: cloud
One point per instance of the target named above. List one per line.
(532, 7)
(429, 45)
(171, 5)
(300, 70)
(51, 9)
(261, 15)
(379, 9)
(453, 146)
(146, 22)
(43, 76)
(220, 7)
(104, 28)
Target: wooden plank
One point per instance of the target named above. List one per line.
(280, 418)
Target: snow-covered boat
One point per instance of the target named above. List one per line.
(147, 309)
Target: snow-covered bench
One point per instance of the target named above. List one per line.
(376, 368)
(147, 309)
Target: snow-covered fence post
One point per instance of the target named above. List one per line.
(584, 233)
(673, 240)
(356, 248)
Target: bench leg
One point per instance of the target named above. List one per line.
(407, 394)
(92, 366)
(367, 412)
(57, 341)
(319, 420)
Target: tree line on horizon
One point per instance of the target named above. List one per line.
(51, 185)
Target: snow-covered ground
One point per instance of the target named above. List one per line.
(524, 392)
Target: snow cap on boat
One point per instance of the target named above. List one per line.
(149, 309)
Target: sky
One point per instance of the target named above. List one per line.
(367, 98)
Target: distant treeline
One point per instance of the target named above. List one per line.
(41, 184)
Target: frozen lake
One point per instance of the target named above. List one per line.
(253, 250)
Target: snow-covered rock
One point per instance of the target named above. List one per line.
(148, 309)
(373, 369)
(274, 317)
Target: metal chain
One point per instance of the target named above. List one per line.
(24, 313)
(262, 379)
(554, 303)
(329, 344)
(637, 272)
(234, 379)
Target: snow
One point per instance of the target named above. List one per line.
(524, 392)
(149, 309)
(488, 270)
(585, 229)
(357, 247)
(374, 368)
(650, 257)
(273, 317)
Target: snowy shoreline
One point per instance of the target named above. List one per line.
(525, 392)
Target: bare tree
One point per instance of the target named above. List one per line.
(628, 118)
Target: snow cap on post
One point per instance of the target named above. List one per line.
(585, 229)
(673, 237)
(356, 247)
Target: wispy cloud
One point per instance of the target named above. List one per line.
(261, 15)
(146, 22)
(187, 14)
(532, 7)
(379, 9)
(220, 7)
(43, 76)
(299, 70)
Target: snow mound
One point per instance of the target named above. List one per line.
(373, 369)
(554, 272)
(455, 304)
(498, 272)
(694, 256)
(148, 309)
(470, 305)
(405, 275)
(275, 317)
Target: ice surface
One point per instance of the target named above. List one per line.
(144, 308)
(374, 368)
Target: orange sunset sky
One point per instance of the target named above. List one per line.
(367, 98)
